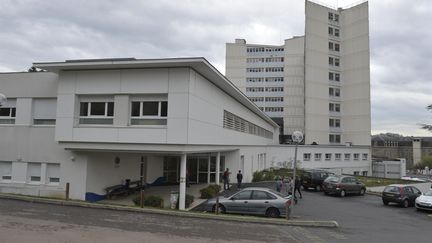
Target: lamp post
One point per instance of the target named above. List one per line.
(297, 137)
(3, 99)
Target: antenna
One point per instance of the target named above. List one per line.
(3, 99)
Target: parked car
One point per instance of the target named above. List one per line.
(343, 185)
(424, 201)
(253, 200)
(404, 195)
(314, 179)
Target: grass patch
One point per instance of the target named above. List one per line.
(373, 181)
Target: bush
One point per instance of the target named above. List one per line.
(210, 191)
(257, 176)
(269, 176)
(150, 201)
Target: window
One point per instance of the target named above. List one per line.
(336, 32)
(337, 77)
(334, 122)
(334, 138)
(356, 173)
(257, 99)
(337, 62)
(336, 48)
(334, 107)
(334, 92)
(336, 17)
(52, 174)
(33, 172)
(244, 195)
(330, 16)
(96, 113)
(8, 112)
(5, 171)
(260, 195)
(306, 157)
(328, 156)
(356, 156)
(274, 89)
(254, 80)
(331, 76)
(274, 79)
(44, 111)
(254, 70)
(347, 156)
(317, 156)
(331, 61)
(149, 112)
(274, 109)
(274, 69)
(365, 157)
(338, 156)
(330, 31)
(364, 173)
(274, 99)
(334, 76)
(331, 46)
(255, 89)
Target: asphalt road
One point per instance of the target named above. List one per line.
(362, 219)
(34, 222)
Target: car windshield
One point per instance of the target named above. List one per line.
(429, 193)
(332, 179)
(391, 189)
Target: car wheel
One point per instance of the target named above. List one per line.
(385, 202)
(221, 208)
(405, 203)
(318, 188)
(273, 213)
(362, 191)
(343, 193)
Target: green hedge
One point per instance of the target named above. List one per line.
(150, 201)
(210, 191)
(273, 174)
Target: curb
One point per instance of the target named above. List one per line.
(244, 219)
(378, 194)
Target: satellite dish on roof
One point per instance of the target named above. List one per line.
(3, 99)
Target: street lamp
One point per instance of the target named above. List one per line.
(3, 99)
(297, 137)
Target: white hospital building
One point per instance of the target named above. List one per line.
(90, 123)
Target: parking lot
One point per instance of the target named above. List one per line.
(364, 218)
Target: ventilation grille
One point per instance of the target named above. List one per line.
(239, 124)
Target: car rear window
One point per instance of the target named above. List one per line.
(332, 179)
(392, 189)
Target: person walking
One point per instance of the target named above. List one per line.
(297, 185)
(226, 179)
(239, 179)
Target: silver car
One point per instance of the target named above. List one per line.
(252, 200)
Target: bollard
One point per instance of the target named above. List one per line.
(142, 198)
(67, 191)
(217, 206)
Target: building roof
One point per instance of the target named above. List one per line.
(199, 64)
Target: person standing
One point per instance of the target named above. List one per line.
(297, 186)
(239, 179)
(225, 178)
(278, 184)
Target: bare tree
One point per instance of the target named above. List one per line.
(427, 126)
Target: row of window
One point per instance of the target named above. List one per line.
(262, 89)
(264, 49)
(259, 80)
(333, 31)
(337, 156)
(334, 122)
(34, 173)
(267, 59)
(43, 111)
(239, 124)
(274, 109)
(267, 69)
(142, 112)
(267, 99)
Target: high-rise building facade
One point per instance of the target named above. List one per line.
(318, 83)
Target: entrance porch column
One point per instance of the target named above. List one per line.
(182, 190)
(217, 168)
(208, 169)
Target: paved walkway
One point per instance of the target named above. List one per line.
(424, 187)
(161, 191)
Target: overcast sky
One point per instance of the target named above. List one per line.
(56, 30)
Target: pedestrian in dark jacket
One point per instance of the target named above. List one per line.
(239, 179)
(226, 179)
(297, 186)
